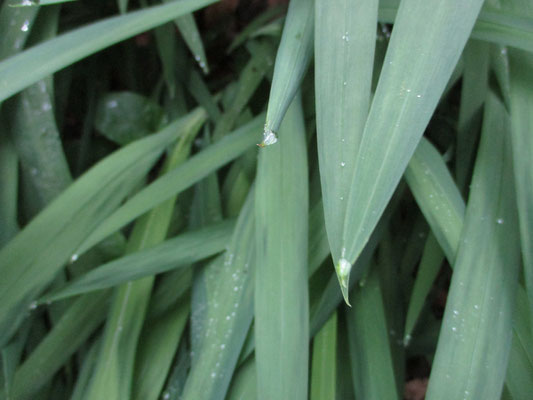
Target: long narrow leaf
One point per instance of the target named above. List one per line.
(281, 293)
(415, 72)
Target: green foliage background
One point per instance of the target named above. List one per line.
(378, 244)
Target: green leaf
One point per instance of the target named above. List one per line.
(415, 72)
(370, 350)
(79, 321)
(521, 129)
(229, 313)
(124, 117)
(292, 60)
(173, 253)
(324, 370)
(20, 71)
(437, 196)
(345, 38)
(30, 261)
(281, 292)
(475, 338)
(179, 179)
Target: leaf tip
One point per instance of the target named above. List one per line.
(343, 269)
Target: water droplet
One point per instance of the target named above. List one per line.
(500, 221)
(454, 329)
(25, 26)
(228, 317)
(112, 104)
(34, 171)
(344, 83)
(503, 51)
(33, 305)
(236, 289)
(46, 106)
(269, 137)
(345, 37)
(213, 374)
(222, 346)
(476, 306)
(406, 340)
(166, 396)
(408, 90)
(455, 312)
(74, 258)
(419, 96)
(341, 198)
(343, 163)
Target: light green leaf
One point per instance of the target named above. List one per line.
(475, 338)
(416, 70)
(345, 38)
(281, 292)
(324, 370)
(292, 59)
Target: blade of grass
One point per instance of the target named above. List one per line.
(9, 194)
(437, 196)
(72, 330)
(522, 127)
(508, 28)
(429, 267)
(13, 40)
(19, 71)
(475, 337)
(281, 292)
(370, 350)
(31, 259)
(228, 316)
(189, 31)
(157, 346)
(345, 38)
(113, 375)
(324, 370)
(426, 43)
(520, 370)
(173, 253)
(473, 93)
(292, 59)
(179, 179)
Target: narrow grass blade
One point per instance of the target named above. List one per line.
(30, 261)
(426, 43)
(475, 338)
(13, 40)
(9, 176)
(157, 347)
(166, 47)
(345, 38)
(324, 370)
(79, 321)
(174, 253)
(429, 267)
(474, 88)
(189, 31)
(522, 128)
(250, 77)
(229, 313)
(281, 292)
(113, 377)
(244, 386)
(370, 350)
(19, 71)
(505, 27)
(178, 179)
(292, 59)
(520, 370)
(437, 196)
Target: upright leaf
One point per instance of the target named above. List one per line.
(345, 38)
(292, 59)
(415, 72)
(281, 293)
(475, 338)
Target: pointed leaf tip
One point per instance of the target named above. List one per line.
(343, 269)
